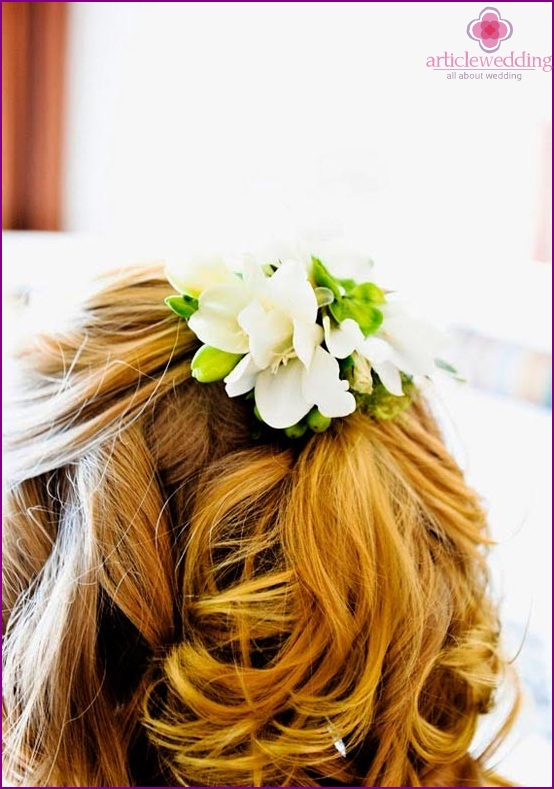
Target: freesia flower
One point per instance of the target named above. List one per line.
(416, 344)
(285, 397)
(216, 321)
(286, 365)
(401, 344)
(218, 294)
(254, 313)
(261, 329)
(192, 276)
(286, 394)
(281, 326)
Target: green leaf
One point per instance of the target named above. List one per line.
(367, 291)
(347, 284)
(210, 364)
(183, 306)
(367, 317)
(352, 300)
(324, 278)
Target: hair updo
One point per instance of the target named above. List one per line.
(184, 605)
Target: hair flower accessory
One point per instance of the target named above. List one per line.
(307, 345)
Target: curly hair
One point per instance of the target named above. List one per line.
(184, 605)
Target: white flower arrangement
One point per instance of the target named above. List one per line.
(309, 345)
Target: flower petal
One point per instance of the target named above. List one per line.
(269, 333)
(225, 300)
(306, 338)
(342, 340)
(416, 343)
(389, 376)
(279, 396)
(252, 272)
(215, 322)
(192, 276)
(289, 290)
(384, 360)
(243, 378)
(376, 350)
(323, 386)
(222, 333)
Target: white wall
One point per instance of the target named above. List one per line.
(191, 124)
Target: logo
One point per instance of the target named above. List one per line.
(490, 30)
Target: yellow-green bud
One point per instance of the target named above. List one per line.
(183, 306)
(317, 422)
(210, 364)
(296, 431)
(359, 374)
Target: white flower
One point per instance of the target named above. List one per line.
(221, 295)
(270, 318)
(401, 344)
(216, 321)
(281, 320)
(243, 378)
(416, 344)
(192, 276)
(273, 318)
(285, 396)
(287, 367)
(343, 339)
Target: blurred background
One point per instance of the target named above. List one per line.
(136, 131)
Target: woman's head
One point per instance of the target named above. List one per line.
(187, 605)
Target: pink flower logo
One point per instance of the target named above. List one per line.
(489, 30)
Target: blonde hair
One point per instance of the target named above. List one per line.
(187, 606)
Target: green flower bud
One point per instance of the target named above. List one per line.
(183, 306)
(257, 414)
(359, 375)
(210, 364)
(296, 431)
(317, 422)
